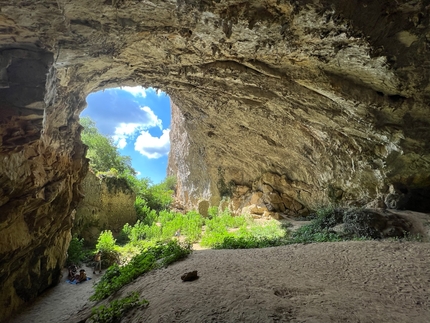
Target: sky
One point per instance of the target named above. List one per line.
(138, 120)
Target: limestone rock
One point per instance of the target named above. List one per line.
(108, 204)
(303, 96)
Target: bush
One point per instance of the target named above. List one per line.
(355, 224)
(123, 238)
(75, 253)
(313, 233)
(233, 232)
(144, 212)
(161, 254)
(212, 212)
(247, 242)
(116, 309)
(106, 244)
(106, 241)
(319, 230)
(136, 232)
(328, 217)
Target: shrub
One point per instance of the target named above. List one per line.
(162, 254)
(75, 252)
(319, 230)
(192, 226)
(247, 242)
(123, 238)
(219, 233)
(328, 217)
(106, 241)
(313, 233)
(113, 312)
(212, 212)
(106, 244)
(144, 212)
(225, 220)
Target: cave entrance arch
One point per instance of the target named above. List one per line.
(137, 120)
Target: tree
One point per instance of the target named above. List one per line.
(102, 151)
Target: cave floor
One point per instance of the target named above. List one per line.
(355, 281)
(61, 302)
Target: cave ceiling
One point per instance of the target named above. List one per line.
(313, 98)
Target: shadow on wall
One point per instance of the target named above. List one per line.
(401, 197)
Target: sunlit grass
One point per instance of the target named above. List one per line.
(192, 227)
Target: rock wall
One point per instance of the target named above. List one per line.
(40, 170)
(331, 96)
(108, 204)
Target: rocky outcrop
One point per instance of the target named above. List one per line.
(329, 95)
(377, 224)
(40, 170)
(108, 204)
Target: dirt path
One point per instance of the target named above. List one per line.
(365, 281)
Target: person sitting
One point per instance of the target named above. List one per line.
(81, 277)
(72, 272)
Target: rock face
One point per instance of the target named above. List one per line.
(330, 97)
(108, 205)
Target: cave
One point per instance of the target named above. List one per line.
(324, 101)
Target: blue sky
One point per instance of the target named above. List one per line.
(138, 120)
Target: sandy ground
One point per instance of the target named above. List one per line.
(60, 302)
(362, 281)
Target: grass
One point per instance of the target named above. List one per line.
(222, 230)
(159, 255)
(219, 233)
(151, 244)
(116, 309)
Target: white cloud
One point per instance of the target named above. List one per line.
(121, 143)
(153, 120)
(135, 90)
(153, 147)
(126, 131)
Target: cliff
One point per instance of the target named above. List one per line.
(308, 102)
(108, 204)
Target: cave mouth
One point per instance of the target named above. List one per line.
(137, 121)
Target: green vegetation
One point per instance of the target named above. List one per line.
(320, 228)
(107, 245)
(116, 309)
(106, 160)
(160, 237)
(102, 152)
(75, 253)
(161, 254)
(156, 240)
(106, 241)
(151, 197)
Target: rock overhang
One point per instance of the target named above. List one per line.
(329, 96)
